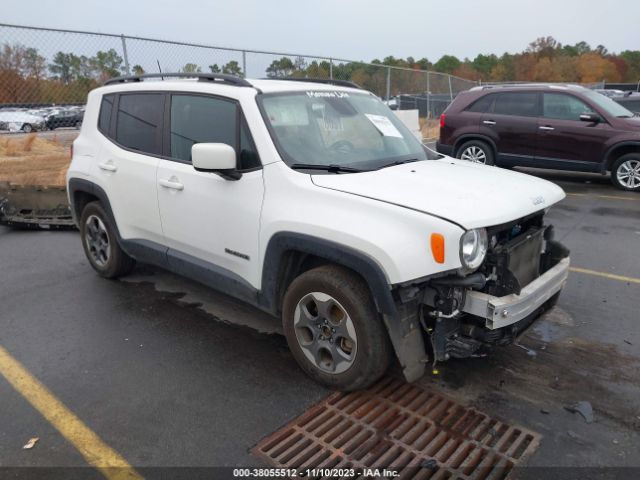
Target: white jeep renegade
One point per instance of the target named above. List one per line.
(312, 201)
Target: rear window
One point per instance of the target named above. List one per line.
(482, 105)
(520, 104)
(106, 109)
(139, 121)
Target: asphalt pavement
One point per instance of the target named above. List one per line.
(171, 374)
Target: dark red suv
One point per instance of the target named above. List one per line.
(564, 127)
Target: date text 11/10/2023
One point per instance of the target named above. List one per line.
(314, 473)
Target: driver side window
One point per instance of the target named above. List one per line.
(203, 119)
(560, 106)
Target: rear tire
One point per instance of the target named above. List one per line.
(625, 172)
(334, 330)
(476, 151)
(27, 128)
(100, 243)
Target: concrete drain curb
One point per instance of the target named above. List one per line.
(402, 427)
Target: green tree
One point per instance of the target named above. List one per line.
(35, 65)
(214, 68)
(447, 64)
(232, 68)
(106, 64)
(632, 59)
(484, 64)
(191, 68)
(318, 69)
(424, 64)
(283, 67)
(137, 70)
(62, 66)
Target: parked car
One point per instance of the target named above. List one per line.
(65, 118)
(563, 127)
(20, 121)
(630, 101)
(611, 93)
(313, 202)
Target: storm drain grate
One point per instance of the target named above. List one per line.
(402, 427)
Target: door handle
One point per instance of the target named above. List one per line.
(488, 122)
(546, 128)
(172, 183)
(108, 166)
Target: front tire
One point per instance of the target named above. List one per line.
(476, 151)
(27, 128)
(100, 243)
(333, 329)
(625, 172)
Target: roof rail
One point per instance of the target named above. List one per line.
(202, 77)
(489, 86)
(328, 81)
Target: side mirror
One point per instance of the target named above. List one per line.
(590, 117)
(215, 157)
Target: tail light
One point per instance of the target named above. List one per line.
(442, 119)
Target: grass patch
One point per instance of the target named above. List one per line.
(32, 160)
(430, 128)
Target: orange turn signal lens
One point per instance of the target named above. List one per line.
(437, 247)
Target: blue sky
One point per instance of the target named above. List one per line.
(357, 29)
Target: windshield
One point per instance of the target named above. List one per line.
(611, 107)
(340, 129)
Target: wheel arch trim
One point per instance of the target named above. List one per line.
(359, 262)
(467, 137)
(609, 158)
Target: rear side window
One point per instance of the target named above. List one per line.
(520, 104)
(482, 105)
(563, 107)
(139, 122)
(106, 109)
(201, 119)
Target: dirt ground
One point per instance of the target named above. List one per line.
(33, 160)
(430, 128)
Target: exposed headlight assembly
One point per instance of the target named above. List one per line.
(473, 248)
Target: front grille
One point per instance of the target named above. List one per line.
(513, 259)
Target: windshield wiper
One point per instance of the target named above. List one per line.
(399, 162)
(329, 168)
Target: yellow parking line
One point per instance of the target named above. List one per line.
(611, 276)
(608, 197)
(92, 448)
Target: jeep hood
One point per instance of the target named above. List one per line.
(465, 193)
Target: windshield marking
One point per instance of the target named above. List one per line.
(325, 94)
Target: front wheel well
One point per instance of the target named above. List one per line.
(293, 264)
(617, 152)
(289, 254)
(460, 142)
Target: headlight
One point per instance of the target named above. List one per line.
(473, 248)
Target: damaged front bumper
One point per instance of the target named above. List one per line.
(459, 317)
(503, 311)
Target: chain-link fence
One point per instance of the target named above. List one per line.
(45, 74)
